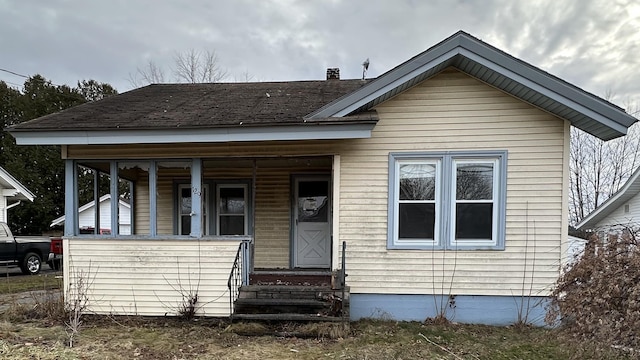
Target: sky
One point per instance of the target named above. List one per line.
(593, 44)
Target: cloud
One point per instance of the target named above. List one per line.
(591, 43)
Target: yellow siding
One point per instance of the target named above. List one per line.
(453, 111)
(150, 277)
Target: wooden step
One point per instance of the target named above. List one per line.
(286, 317)
(282, 302)
(291, 278)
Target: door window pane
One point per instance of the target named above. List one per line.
(313, 198)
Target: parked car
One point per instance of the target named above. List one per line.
(26, 252)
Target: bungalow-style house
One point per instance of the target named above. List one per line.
(12, 192)
(622, 210)
(439, 187)
(88, 217)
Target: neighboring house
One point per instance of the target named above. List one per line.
(446, 175)
(87, 216)
(619, 211)
(574, 249)
(12, 193)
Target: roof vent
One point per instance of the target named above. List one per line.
(333, 74)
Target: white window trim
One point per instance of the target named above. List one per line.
(495, 201)
(396, 202)
(444, 231)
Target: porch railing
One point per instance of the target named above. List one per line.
(239, 272)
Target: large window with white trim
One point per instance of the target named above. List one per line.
(447, 200)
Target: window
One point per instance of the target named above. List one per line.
(232, 209)
(417, 189)
(184, 209)
(228, 206)
(452, 200)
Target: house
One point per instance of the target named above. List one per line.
(13, 192)
(88, 217)
(441, 185)
(622, 210)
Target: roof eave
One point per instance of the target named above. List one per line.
(309, 131)
(628, 190)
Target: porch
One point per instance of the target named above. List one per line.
(276, 215)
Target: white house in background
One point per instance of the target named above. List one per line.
(574, 248)
(620, 210)
(87, 216)
(12, 193)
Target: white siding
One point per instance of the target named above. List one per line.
(453, 111)
(87, 217)
(621, 217)
(149, 277)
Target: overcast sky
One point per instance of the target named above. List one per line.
(594, 44)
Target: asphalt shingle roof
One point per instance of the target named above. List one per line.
(164, 106)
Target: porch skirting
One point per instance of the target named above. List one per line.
(470, 309)
(154, 277)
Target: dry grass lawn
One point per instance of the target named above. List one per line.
(36, 330)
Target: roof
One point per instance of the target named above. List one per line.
(87, 206)
(630, 189)
(298, 110)
(496, 68)
(20, 192)
(213, 112)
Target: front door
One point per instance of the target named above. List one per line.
(312, 225)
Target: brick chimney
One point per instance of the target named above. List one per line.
(333, 74)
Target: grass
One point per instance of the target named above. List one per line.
(169, 338)
(36, 330)
(10, 284)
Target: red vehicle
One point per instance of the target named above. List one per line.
(55, 253)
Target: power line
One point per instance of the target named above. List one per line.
(14, 73)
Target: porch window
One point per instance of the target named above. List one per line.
(184, 209)
(228, 205)
(449, 200)
(232, 209)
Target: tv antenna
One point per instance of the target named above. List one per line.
(365, 67)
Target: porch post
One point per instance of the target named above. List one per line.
(96, 201)
(335, 220)
(115, 204)
(70, 198)
(197, 192)
(153, 198)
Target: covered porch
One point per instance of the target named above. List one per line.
(200, 226)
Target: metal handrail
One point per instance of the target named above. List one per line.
(239, 274)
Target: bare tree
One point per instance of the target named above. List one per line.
(598, 169)
(198, 67)
(149, 74)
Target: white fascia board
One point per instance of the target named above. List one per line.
(621, 196)
(11, 181)
(207, 135)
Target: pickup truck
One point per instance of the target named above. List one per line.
(26, 252)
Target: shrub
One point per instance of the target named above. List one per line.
(598, 297)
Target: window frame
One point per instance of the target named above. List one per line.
(212, 226)
(437, 163)
(445, 217)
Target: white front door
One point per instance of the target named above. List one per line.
(311, 220)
